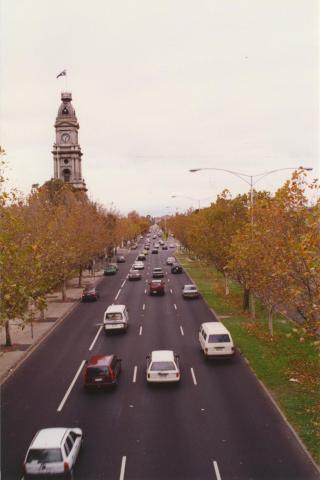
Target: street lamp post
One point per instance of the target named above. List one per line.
(248, 178)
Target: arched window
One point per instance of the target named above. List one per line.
(66, 175)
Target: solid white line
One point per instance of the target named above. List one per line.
(145, 291)
(144, 306)
(123, 467)
(171, 290)
(116, 298)
(216, 469)
(123, 284)
(175, 306)
(95, 338)
(135, 374)
(140, 331)
(63, 401)
(181, 329)
(193, 376)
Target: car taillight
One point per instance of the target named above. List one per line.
(66, 467)
(111, 374)
(206, 350)
(24, 468)
(177, 375)
(148, 375)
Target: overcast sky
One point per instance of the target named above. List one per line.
(159, 87)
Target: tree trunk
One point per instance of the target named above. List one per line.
(270, 322)
(246, 299)
(253, 306)
(80, 276)
(64, 290)
(8, 336)
(226, 283)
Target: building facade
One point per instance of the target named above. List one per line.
(66, 149)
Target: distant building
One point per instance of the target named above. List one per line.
(66, 150)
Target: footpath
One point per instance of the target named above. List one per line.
(25, 337)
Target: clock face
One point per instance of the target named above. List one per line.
(65, 137)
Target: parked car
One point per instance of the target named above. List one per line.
(138, 265)
(110, 269)
(121, 259)
(134, 275)
(215, 340)
(154, 250)
(157, 272)
(190, 291)
(90, 294)
(115, 318)
(156, 287)
(171, 260)
(53, 453)
(102, 371)
(176, 268)
(163, 366)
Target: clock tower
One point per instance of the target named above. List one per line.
(66, 149)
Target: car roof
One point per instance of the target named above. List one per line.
(190, 285)
(214, 327)
(49, 438)
(99, 360)
(115, 308)
(159, 355)
(156, 280)
(157, 268)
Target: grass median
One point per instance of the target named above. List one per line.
(287, 364)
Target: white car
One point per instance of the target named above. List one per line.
(171, 260)
(190, 291)
(163, 366)
(53, 451)
(138, 265)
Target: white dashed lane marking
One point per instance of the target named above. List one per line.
(216, 469)
(175, 306)
(135, 370)
(140, 330)
(116, 297)
(123, 468)
(193, 376)
(181, 330)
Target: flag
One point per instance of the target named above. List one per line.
(62, 74)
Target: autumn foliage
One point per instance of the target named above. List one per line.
(271, 248)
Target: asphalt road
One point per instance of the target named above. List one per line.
(218, 423)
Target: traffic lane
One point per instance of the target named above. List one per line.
(41, 381)
(250, 417)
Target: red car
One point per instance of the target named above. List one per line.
(156, 287)
(102, 371)
(90, 294)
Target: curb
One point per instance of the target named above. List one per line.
(5, 376)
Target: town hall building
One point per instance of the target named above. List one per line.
(66, 149)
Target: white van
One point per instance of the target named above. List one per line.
(115, 318)
(215, 340)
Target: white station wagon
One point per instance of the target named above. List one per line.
(163, 366)
(53, 452)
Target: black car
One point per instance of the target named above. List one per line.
(90, 294)
(176, 268)
(154, 250)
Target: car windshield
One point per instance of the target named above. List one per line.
(89, 290)
(162, 366)
(44, 455)
(190, 287)
(157, 269)
(114, 316)
(219, 338)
